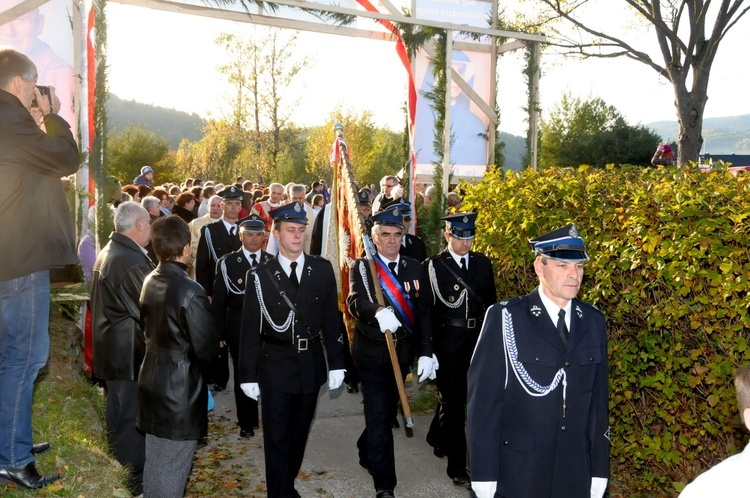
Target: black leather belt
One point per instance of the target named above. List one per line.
(470, 323)
(298, 343)
(381, 340)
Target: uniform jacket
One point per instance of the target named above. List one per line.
(480, 277)
(530, 445)
(369, 342)
(414, 248)
(181, 342)
(229, 292)
(117, 281)
(277, 366)
(208, 254)
(38, 230)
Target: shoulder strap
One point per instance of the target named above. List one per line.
(462, 282)
(287, 300)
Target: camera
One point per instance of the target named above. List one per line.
(44, 90)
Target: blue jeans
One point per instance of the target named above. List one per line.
(24, 349)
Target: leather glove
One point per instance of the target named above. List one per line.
(598, 487)
(251, 390)
(335, 379)
(435, 365)
(387, 320)
(484, 489)
(425, 369)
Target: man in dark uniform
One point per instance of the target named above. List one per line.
(461, 287)
(290, 311)
(411, 245)
(538, 421)
(229, 294)
(400, 277)
(216, 240)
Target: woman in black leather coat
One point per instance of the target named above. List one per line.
(181, 341)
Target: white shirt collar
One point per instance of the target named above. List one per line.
(386, 260)
(286, 264)
(228, 225)
(248, 253)
(457, 258)
(553, 309)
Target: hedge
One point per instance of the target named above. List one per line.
(670, 262)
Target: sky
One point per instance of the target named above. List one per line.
(171, 60)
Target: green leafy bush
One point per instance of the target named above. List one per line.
(670, 262)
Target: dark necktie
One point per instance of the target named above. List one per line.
(562, 329)
(463, 264)
(231, 231)
(293, 275)
(253, 260)
(392, 267)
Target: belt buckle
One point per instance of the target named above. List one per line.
(471, 323)
(302, 343)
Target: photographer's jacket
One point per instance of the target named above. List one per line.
(38, 231)
(538, 411)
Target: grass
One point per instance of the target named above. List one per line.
(68, 412)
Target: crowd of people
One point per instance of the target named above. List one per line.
(202, 275)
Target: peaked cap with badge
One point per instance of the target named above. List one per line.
(461, 225)
(391, 216)
(293, 211)
(252, 223)
(564, 244)
(403, 205)
(231, 193)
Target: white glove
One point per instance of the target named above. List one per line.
(251, 390)
(335, 379)
(435, 365)
(598, 487)
(425, 368)
(484, 489)
(387, 320)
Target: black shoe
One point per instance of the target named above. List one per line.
(438, 452)
(385, 493)
(296, 493)
(26, 477)
(352, 387)
(218, 387)
(395, 424)
(247, 432)
(462, 480)
(40, 448)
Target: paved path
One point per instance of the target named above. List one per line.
(331, 467)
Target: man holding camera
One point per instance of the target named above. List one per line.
(32, 162)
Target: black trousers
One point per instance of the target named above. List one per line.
(126, 442)
(287, 419)
(218, 370)
(247, 408)
(448, 427)
(381, 401)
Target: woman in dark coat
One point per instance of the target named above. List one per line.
(181, 341)
(184, 207)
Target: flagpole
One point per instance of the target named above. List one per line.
(350, 199)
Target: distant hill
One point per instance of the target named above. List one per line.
(168, 123)
(726, 135)
(515, 149)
